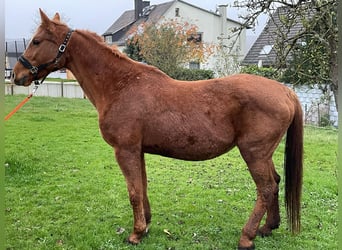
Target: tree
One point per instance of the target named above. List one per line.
(226, 62)
(311, 54)
(168, 45)
(132, 49)
(309, 62)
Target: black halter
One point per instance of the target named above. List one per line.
(35, 69)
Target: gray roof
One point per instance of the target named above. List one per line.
(263, 48)
(126, 19)
(16, 46)
(122, 27)
(14, 49)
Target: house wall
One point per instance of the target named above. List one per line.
(203, 20)
(210, 25)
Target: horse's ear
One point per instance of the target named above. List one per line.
(44, 18)
(56, 17)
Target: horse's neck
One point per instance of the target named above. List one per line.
(97, 70)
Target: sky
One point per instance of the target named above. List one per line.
(96, 16)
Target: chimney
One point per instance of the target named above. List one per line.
(223, 13)
(146, 3)
(138, 7)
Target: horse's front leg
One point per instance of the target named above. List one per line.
(132, 166)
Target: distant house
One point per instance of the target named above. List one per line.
(214, 27)
(13, 49)
(262, 52)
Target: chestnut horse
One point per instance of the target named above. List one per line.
(142, 110)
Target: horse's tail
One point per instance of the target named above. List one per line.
(293, 168)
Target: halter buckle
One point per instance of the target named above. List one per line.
(62, 48)
(34, 70)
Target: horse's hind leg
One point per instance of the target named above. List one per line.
(130, 162)
(273, 215)
(261, 172)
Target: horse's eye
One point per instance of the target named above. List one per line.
(35, 42)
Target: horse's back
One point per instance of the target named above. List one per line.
(243, 94)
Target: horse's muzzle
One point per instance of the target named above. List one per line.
(20, 82)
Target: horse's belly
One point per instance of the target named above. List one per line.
(190, 146)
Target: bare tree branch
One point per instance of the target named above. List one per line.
(317, 36)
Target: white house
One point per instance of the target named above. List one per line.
(213, 27)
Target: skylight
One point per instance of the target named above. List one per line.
(266, 50)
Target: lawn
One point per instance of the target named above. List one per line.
(64, 189)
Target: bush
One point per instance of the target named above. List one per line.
(263, 71)
(325, 121)
(192, 74)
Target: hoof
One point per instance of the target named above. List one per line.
(132, 241)
(247, 248)
(135, 239)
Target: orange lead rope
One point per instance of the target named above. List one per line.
(22, 103)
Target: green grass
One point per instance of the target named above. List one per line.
(64, 189)
(51, 79)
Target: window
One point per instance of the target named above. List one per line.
(303, 43)
(266, 49)
(177, 12)
(109, 39)
(197, 38)
(194, 65)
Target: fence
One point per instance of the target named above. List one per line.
(52, 89)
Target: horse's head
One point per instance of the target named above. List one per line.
(45, 52)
